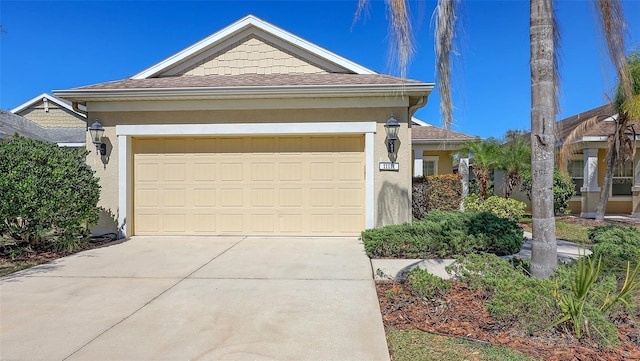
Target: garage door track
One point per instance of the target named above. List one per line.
(197, 298)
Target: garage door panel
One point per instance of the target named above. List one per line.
(204, 197)
(232, 223)
(205, 223)
(302, 185)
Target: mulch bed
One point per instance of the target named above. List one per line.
(461, 313)
(53, 255)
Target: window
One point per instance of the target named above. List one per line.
(429, 165)
(622, 180)
(576, 171)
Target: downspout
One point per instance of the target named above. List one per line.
(414, 108)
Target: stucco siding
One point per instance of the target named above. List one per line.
(392, 196)
(252, 55)
(55, 117)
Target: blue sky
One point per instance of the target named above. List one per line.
(50, 45)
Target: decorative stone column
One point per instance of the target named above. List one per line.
(590, 189)
(418, 170)
(635, 189)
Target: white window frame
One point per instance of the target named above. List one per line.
(430, 158)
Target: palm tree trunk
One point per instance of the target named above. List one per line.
(608, 176)
(544, 259)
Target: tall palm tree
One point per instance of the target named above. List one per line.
(621, 146)
(544, 89)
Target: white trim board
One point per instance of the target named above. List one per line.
(245, 129)
(126, 132)
(249, 22)
(38, 98)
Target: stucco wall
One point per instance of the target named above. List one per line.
(392, 203)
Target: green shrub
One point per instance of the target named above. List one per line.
(563, 190)
(616, 245)
(425, 284)
(444, 234)
(502, 207)
(514, 297)
(501, 236)
(439, 192)
(49, 194)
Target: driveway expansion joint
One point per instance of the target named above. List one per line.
(180, 280)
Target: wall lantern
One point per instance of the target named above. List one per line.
(97, 131)
(391, 127)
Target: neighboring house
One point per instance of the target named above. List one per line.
(11, 124)
(434, 149)
(51, 112)
(254, 131)
(588, 167)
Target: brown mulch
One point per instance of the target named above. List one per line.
(588, 222)
(53, 255)
(461, 313)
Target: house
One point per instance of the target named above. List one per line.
(434, 149)
(49, 119)
(11, 124)
(587, 167)
(254, 131)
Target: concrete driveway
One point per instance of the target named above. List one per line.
(197, 298)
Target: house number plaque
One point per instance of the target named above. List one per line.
(389, 166)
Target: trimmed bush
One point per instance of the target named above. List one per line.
(502, 207)
(445, 234)
(49, 194)
(438, 192)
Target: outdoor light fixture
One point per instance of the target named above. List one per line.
(391, 127)
(97, 131)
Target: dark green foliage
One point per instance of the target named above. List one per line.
(502, 236)
(426, 285)
(445, 234)
(563, 190)
(439, 192)
(49, 194)
(616, 245)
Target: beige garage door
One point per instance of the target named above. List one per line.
(311, 185)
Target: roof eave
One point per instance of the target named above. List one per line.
(80, 95)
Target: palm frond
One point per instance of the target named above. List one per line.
(445, 15)
(613, 26)
(570, 146)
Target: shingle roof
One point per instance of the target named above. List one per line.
(11, 124)
(252, 80)
(436, 133)
(565, 126)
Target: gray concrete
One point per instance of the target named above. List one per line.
(197, 298)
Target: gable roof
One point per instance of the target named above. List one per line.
(40, 98)
(603, 114)
(251, 25)
(11, 124)
(432, 133)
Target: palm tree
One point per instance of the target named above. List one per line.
(622, 147)
(544, 89)
(485, 154)
(514, 159)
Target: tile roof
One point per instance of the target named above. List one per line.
(436, 133)
(252, 80)
(11, 124)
